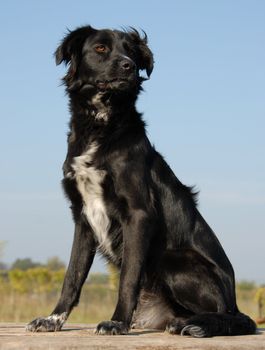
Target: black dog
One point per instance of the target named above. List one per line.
(128, 204)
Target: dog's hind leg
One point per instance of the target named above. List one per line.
(218, 324)
(196, 287)
(82, 256)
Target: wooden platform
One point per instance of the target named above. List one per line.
(14, 336)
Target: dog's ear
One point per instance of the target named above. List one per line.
(145, 55)
(72, 44)
(70, 51)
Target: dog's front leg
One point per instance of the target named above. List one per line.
(82, 255)
(136, 237)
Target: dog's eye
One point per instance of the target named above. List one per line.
(100, 48)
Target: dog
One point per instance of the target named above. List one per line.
(127, 203)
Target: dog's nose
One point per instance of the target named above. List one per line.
(127, 65)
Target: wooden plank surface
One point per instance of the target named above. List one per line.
(14, 336)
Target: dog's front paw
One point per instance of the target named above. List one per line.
(52, 323)
(111, 328)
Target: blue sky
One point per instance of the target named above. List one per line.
(204, 106)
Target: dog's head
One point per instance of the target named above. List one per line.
(104, 60)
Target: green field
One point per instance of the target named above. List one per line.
(29, 294)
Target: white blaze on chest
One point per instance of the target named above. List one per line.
(89, 183)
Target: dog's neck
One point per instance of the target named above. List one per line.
(101, 107)
(98, 115)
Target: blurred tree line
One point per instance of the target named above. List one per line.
(27, 276)
(53, 264)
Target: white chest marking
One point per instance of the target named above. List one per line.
(103, 111)
(89, 181)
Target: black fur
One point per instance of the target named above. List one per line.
(174, 272)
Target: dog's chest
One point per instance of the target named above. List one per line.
(89, 184)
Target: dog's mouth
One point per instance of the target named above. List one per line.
(111, 84)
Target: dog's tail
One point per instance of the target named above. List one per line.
(217, 324)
